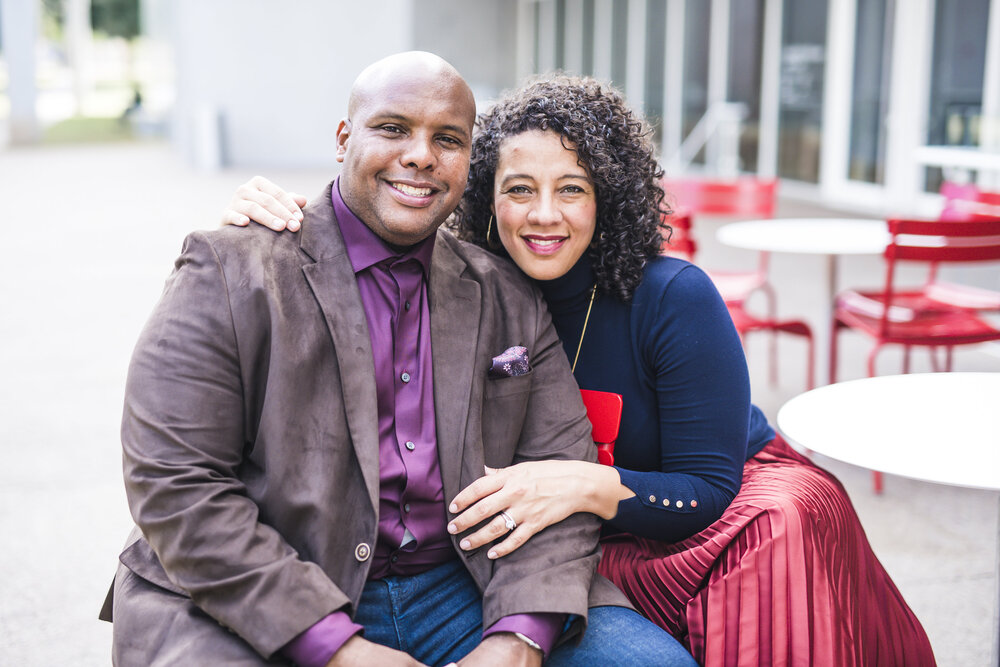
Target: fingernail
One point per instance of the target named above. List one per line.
(465, 544)
(453, 508)
(277, 224)
(452, 528)
(293, 224)
(492, 554)
(298, 215)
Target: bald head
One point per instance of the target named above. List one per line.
(405, 145)
(409, 66)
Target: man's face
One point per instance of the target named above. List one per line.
(405, 151)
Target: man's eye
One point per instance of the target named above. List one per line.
(450, 140)
(391, 129)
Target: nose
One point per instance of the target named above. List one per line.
(419, 153)
(545, 210)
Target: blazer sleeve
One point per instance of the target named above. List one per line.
(552, 572)
(184, 435)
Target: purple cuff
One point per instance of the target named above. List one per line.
(542, 628)
(316, 646)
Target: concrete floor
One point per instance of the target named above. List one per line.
(89, 234)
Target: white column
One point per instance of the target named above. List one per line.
(546, 36)
(19, 22)
(526, 38)
(79, 45)
(603, 22)
(770, 90)
(989, 131)
(718, 82)
(673, 84)
(909, 90)
(837, 95)
(573, 37)
(635, 59)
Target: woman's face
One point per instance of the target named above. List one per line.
(544, 202)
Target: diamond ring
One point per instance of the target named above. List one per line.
(508, 521)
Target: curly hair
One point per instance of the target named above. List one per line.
(614, 147)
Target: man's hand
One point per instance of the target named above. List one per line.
(359, 652)
(502, 649)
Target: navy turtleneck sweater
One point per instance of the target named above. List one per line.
(676, 359)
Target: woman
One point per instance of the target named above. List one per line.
(564, 182)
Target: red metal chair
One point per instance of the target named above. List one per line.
(604, 410)
(921, 317)
(752, 198)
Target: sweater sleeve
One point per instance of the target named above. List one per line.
(695, 361)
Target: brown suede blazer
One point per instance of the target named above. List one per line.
(251, 448)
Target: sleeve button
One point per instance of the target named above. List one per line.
(652, 498)
(680, 504)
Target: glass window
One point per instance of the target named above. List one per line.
(870, 92)
(800, 106)
(656, 37)
(588, 37)
(694, 91)
(958, 65)
(619, 43)
(746, 31)
(560, 34)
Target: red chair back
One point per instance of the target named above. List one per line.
(968, 202)
(604, 410)
(937, 242)
(747, 197)
(679, 242)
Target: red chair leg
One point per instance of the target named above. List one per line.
(834, 330)
(906, 360)
(948, 357)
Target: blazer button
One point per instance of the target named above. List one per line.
(362, 552)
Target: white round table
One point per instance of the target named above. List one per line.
(811, 236)
(937, 427)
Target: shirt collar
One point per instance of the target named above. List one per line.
(365, 248)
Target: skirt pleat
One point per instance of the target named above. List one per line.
(785, 577)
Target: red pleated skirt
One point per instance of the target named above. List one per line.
(785, 577)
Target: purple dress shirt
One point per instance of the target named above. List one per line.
(412, 533)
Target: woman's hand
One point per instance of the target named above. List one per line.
(265, 203)
(535, 495)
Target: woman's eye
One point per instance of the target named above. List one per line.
(519, 190)
(573, 189)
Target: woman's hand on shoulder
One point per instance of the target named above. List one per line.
(261, 201)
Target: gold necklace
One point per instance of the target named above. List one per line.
(593, 293)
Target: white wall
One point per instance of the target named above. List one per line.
(277, 74)
(264, 84)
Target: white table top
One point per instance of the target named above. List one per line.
(937, 427)
(962, 157)
(820, 236)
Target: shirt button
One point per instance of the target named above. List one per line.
(362, 552)
(652, 499)
(406, 305)
(406, 507)
(394, 559)
(405, 377)
(410, 446)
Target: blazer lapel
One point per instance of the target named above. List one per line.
(455, 304)
(335, 287)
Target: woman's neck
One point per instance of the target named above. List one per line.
(570, 291)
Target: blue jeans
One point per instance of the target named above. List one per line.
(437, 617)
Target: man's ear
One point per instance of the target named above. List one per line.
(343, 134)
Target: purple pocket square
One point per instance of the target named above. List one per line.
(513, 362)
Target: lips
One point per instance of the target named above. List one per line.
(411, 193)
(544, 245)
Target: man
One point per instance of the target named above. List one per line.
(300, 408)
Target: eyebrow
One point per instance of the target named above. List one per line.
(457, 129)
(514, 177)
